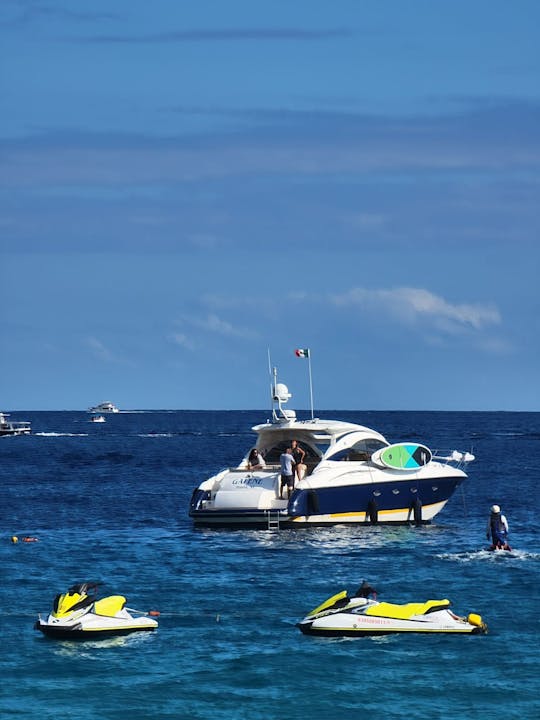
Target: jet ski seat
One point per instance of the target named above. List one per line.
(405, 612)
(109, 606)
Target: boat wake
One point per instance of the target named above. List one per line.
(59, 434)
(489, 556)
(83, 648)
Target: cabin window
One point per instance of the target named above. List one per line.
(360, 451)
(271, 456)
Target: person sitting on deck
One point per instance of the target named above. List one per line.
(255, 460)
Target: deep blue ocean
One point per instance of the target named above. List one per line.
(108, 502)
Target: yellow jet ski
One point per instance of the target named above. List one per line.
(344, 616)
(78, 614)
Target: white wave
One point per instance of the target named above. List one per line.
(58, 434)
(83, 648)
(489, 556)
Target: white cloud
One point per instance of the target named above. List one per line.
(182, 340)
(99, 350)
(214, 324)
(414, 304)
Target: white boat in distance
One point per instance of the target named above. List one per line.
(7, 427)
(353, 475)
(104, 407)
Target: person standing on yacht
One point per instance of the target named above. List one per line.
(298, 454)
(287, 472)
(497, 528)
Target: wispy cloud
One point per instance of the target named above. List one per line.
(212, 323)
(503, 138)
(205, 325)
(17, 12)
(182, 340)
(407, 305)
(99, 350)
(411, 305)
(207, 35)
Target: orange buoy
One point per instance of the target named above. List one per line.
(154, 613)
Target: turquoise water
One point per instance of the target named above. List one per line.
(109, 503)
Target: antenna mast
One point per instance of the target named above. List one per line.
(310, 383)
(271, 384)
(306, 353)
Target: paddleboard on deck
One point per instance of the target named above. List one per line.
(402, 456)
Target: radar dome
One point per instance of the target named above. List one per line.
(281, 393)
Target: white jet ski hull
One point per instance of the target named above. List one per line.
(345, 625)
(91, 626)
(358, 616)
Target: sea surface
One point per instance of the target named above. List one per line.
(108, 502)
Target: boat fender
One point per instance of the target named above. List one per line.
(312, 503)
(417, 511)
(372, 512)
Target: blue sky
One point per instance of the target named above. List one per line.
(185, 185)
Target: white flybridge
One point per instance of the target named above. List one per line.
(104, 407)
(353, 475)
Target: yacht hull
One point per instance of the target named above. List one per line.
(387, 503)
(14, 433)
(240, 519)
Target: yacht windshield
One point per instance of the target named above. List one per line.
(272, 455)
(360, 451)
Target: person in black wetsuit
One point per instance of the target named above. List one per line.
(365, 590)
(298, 454)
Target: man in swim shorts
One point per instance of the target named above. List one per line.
(287, 472)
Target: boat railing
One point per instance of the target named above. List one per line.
(266, 469)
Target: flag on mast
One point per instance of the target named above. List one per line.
(302, 352)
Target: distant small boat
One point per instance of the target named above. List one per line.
(7, 427)
(104, 407)
(97, 419)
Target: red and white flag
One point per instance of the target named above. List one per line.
(302, 352)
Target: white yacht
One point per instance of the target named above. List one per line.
(353, 475)
(104, 407)
(8, 427)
